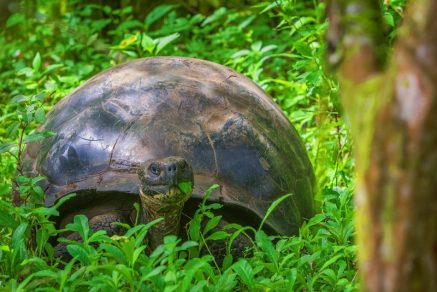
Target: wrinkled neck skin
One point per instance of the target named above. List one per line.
(154, 208)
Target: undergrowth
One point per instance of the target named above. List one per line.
(279, 44)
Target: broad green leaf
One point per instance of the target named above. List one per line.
(270, 6)
(218, 235)
(46, 273)
(36, 63)
(19, 98)
(27, 71)
(194, 228)
(303, 49)
(37, 262)
(80, 225)
(115, 253)
(15, 19)
(331, 261)
(211, 224)
(244, 271)
(127, 10)
(266, 245)
(156, 14)
(218, 13)
(40, 115)
(5, 188)
(188, 244)
(21, 179)
(246, 22)
(227, 261)
(12, 130)
(292, 276)
(129, 25)
(156, 271)
(7, 220)
(5, 147)
(18, 237)
(227, 281)
(214, 206)
(389, 19)
(240, 53)
(268, 48)
(137, 253)
(46, 211)
(256, 46)
(164, 41)
(186, 187)
(79, 252)
(147, 43)
(98, 236)
(191, 268)
(37, 179)
(52, 67)
(40, 96)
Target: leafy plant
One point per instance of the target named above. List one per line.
(48, 48)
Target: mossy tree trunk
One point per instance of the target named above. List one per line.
(391, 104)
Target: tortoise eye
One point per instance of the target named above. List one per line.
(154, 169)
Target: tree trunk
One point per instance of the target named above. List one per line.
(393, 115)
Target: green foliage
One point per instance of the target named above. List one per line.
(278, 44)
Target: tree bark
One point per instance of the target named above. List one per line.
(392, 108)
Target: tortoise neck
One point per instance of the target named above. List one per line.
(153, 209)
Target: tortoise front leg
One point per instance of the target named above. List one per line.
(99, 222)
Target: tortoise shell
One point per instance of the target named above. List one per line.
(221, 122)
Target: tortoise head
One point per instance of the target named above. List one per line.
(165, 185)
(168, 180)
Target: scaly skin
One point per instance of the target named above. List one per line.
(161, 196)
(169, 207)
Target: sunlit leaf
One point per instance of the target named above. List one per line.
(147, 43)
(164, 41)
(36, 63)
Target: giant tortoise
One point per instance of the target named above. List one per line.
(137, 131)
